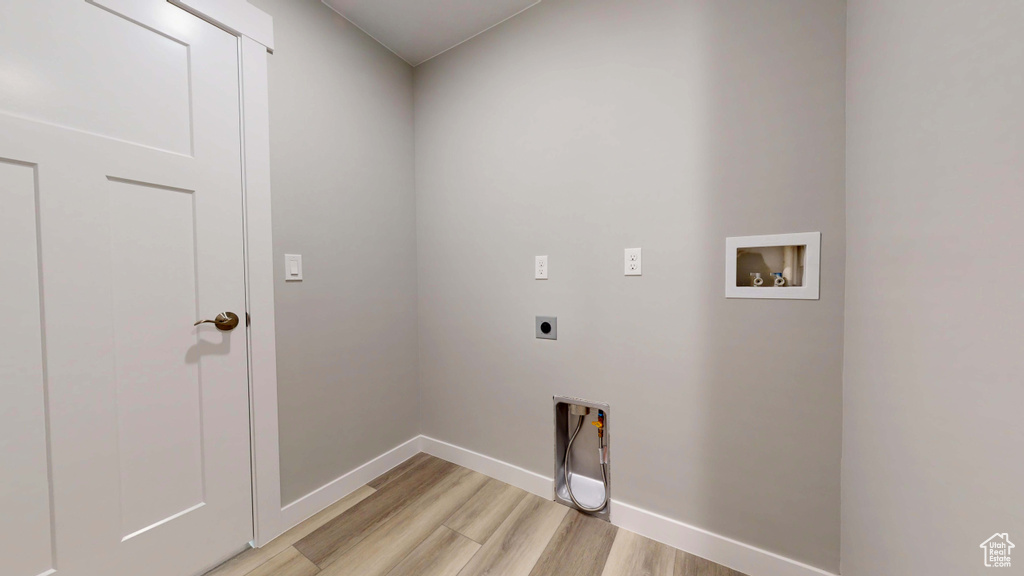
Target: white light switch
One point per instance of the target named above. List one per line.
(293, 267)
(633, 262)
(540, 271)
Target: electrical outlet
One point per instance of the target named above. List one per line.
(540, 268)
(633, 262)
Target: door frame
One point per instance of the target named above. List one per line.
(255, 32)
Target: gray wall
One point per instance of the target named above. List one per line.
(934, 348)
(342, 167)
(583, 127)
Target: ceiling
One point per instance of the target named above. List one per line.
(418, 30)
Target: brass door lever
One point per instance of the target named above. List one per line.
(225, 321)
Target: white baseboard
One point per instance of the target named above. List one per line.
(721, 549)
(699, 542)
(340, 487)
(508, 473)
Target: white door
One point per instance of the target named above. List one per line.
(124, 430)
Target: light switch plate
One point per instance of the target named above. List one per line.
(633, 262)
(540, 268)
(293, 267)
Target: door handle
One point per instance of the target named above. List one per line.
(225, 321)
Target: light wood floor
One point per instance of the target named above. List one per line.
(428, 517)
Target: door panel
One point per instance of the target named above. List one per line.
(25, 474)
(137, 187)
(50, 72)
(159, 412)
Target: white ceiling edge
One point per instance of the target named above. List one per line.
(375, 39)
(457, 44)
(495, 25)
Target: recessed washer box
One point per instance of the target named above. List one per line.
(754, 265)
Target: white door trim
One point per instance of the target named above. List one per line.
(259, 246)
(236, 16)
(256, 37)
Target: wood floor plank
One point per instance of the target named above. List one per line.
(518, 543)
(444, 553)
(634, 555)
(386, 546)
(288, 563)
(580, 547)
(486, 510)
(426, 519)
(251, 559)
(397, 471)
(690, 565)
(332, 539)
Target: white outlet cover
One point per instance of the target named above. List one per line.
(633, 262)
(540, 268)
